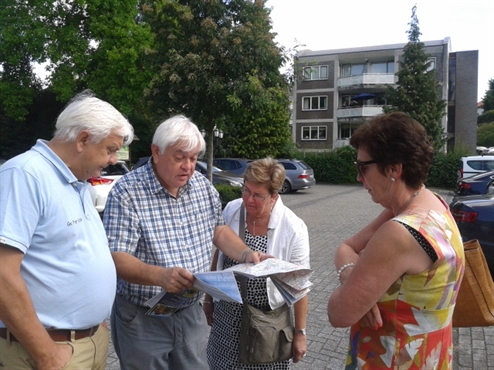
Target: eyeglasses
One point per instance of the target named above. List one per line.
(255, 196)
(361, 166)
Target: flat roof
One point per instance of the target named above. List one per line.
(308, 52)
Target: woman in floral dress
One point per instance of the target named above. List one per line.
(400, 274)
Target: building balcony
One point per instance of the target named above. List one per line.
(340, 143)
(359, 112)
(367, 79)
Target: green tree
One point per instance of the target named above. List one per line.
(487, 116)
(488, 98)
(417, 91)
(96, 44)
(216, 62)
(485, 135)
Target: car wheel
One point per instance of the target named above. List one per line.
(286, 188)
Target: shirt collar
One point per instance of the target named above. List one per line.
(44, 150)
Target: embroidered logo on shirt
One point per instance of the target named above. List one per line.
(74, 222)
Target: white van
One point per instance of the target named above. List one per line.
(475, 164)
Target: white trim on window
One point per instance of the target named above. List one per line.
(316, 73)
(432, 64)
(314, 102)
(314, 132)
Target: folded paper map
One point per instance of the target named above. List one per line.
(291, 280)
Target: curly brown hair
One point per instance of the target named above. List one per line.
(397, 138)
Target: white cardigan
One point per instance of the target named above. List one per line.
(288, 240)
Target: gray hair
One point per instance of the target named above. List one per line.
(179, 129)
(99, 118)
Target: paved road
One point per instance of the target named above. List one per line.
(332, 213)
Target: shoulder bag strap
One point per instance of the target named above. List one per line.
(241, 234)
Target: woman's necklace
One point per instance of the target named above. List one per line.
(411, 197)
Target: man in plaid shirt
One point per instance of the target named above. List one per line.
(162, 220)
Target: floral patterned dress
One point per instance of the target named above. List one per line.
(417, 309)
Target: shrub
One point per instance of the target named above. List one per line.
(444, 170)
(228, 193)
(337, 167)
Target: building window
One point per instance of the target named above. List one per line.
(316, 73)
(348, 70)
(346, 101)
(314, 132)
(314, 103)
(382, 67)
(432, 64)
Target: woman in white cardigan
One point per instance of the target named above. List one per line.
(272, 228)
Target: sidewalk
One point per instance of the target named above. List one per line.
(332, 213)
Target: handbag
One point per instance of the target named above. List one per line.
(265, 336)
(475, 300)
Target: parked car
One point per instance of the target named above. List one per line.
(474, 215)
(475, 164)
(140, 162)
(299, 175)
(479, 184)
(235, 165)
(220, 176)
(102, 184)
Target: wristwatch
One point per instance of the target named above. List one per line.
(301, 331)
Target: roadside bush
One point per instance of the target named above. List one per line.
(337, 167)
(228, 193)
(444, 170)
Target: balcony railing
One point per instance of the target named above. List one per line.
(368, 79)
(339, 143)
(363, 111)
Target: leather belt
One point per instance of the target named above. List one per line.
(59, 335)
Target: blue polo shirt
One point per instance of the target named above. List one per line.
(46, 213)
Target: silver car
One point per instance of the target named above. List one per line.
(299, 175)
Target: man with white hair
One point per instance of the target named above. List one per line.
(162, 220)
(57, 277)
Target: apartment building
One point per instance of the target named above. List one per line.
(340, 89)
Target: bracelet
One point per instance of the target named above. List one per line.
(207, 302)
(342, 268)
(244, 256)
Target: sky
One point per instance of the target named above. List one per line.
(336, 24)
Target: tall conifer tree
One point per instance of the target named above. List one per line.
(417, 91)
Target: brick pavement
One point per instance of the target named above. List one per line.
(332, 213)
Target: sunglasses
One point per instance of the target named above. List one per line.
(361, 166)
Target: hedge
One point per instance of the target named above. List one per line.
(338, 167)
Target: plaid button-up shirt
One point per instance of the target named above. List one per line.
(142, 218)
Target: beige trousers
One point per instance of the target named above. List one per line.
(88, 353)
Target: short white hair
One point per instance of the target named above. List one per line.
(179, 129)
(99, 118)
